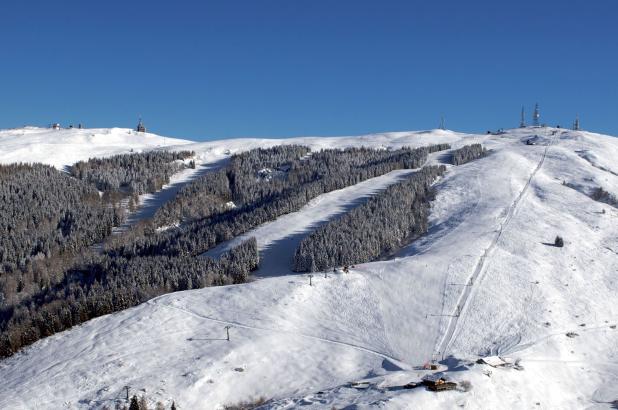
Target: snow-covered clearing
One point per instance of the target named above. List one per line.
(278, 240)
(488, 251)
(149, 203)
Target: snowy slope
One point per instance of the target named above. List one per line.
(280, 238)
(482, 281)
(67, 146)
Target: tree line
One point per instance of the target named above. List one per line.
(601, 195)
(379, 226)
(255, 173)
(102, 284)
(137, 173)
(51, 279)
(260, 199)
(468, 153)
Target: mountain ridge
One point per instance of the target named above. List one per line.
(386, 318)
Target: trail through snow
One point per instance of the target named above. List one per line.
(476, 277)
(278, 240)
(394, 361)
(150, 203)
(302, 345)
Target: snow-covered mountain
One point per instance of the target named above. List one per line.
(64, 147)
(484, 281)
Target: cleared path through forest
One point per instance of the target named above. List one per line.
(277, 240)
(150, 203)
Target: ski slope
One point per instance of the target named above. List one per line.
(280, 238)
(483, 281)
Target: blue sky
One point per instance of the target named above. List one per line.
(218, 69)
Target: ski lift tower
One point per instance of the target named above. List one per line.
(536, 117)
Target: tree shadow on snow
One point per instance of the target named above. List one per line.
(445, 158)
(421, 244)
(276, 258)
(386, 365)
(390, 366)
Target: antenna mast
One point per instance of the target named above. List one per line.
(522, 121)
(576, 126)
(442, 126)
(536, 116)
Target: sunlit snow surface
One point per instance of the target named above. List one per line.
(486, 257)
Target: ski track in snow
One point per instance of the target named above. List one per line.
(301, 345)
(277, 240)
(265, 329)
(150, 203)
(476, 277)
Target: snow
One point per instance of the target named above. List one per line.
(484, 281)
(150, 203)
(281, 237)
(217, 150)
(64, 147)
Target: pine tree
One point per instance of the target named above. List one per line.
(134, 404)
(468, 153)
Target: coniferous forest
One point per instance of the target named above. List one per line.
(260, 194)
(381, 225)
(52, 278)
(101, 284)
(131, 173)
(45, 213)
(468, 153)
(60, 265)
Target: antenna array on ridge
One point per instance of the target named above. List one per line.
(522, 121)
(536, 116)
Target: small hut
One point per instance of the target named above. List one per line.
(439, 382)
(55, 126)
(140, 126)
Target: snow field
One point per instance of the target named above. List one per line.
(291, 341)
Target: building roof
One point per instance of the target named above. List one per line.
(434, 377)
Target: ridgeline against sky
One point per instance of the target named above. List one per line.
(206, 69)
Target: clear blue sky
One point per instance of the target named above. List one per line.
(217, 69)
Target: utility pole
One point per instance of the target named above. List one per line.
(227, 331)
(536, 116)
(522, 121)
